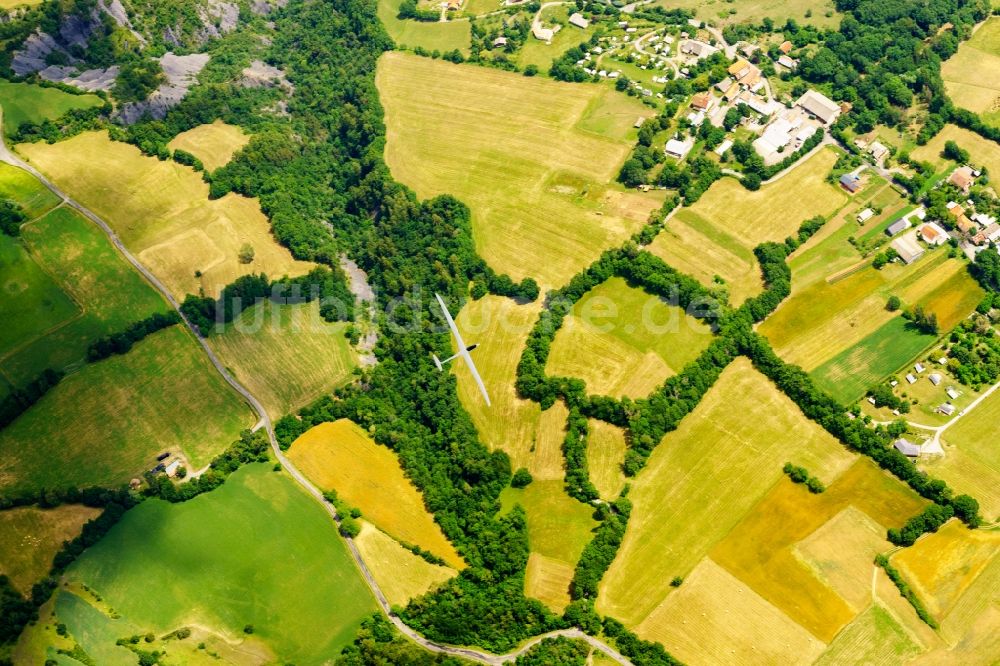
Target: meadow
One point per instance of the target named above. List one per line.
(340, 456)
(972, 459)
(28, 102)
(25, 190)
(983, 151)
(30, 537)
(873, 637)
(162, 213)
(716, 235)
(623, 341)
(531, 157)
(106, 423)
(538, 53)
(268, 555)
(400, 574)
(683, 504)
(605, 455)
(109, 293)
(752, 11)
(285, 354)
(214, 144)
(433, 36)
(970, 76)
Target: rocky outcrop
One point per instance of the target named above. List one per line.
(261, 75)
(181, 72)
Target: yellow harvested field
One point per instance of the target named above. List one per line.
(841, 553)
(401, 574)
(31, 537)
(970, 75)
(713, 618)
(760, 550)
(683, 502)
(941, 567)
(286, 355)
(547, 579)
(162, 213)
(605, 455)
(213, 144)
(874, 638)
(694, 246)
(533, 159)
(983, 151)
(623, 341)
(340, 456)
(547, 456)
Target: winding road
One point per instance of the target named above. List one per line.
(264, 421)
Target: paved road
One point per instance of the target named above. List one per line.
(265, 422)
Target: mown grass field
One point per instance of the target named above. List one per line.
(739, 436)
(33, 301)
(162, 213)
(399, 573)
(760, 550)
(28, 102)
(25, 190)
(752, 11)
(108, 292)
(267, 554)
(717, 235)
(30, 538)
(531, 157)
(605, 455)
(106, 423)
(433, 36)
(972, 458)
(214, 144)
(286, 355)
(714, 618)
(623, 341)
(970, 76)
(983, 151)
(873, 637)
(340, 456)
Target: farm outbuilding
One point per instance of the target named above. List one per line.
(907, 247)
(850, 182)
(906, 447)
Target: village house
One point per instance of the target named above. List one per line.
(724, 85)
(962, 223)
(865, 215)
(785, 47)
(962, 178)
(907, 448)
(702, 101)
(992, 233)
(577, 20)
(877, 150)
(908, 249)
(787, 63)
(932, 234)
(697, 49)
(898, 226)
(744, 73)
(542, 34)
(499, 42)
(678, 149)
(947, 409)
(983, 220)
(850, 182)
(723, 147)
(819, 106)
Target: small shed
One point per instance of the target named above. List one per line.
(865, 215)
(910, 379)
(952, 393)
(935, 378)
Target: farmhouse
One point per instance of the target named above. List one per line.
(983, 220)
(787, 62)
(678, 149)
(933, 234)
(947, 409)
(697, 49)
(992, 233)
(850, 182)
(908, 249)
(702, 101)
(745, 73)
(819, 106)
(962, 178)
(724, 85)
(906, 447)
(576, 19)
(866, 215)
(877, 150)
(758, 104)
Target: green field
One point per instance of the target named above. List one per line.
(538, 53)
(738, 437)
(30, 538)
(27, 102)
(33, 301)
(106, 423)
(433, 36)
(972, 75)
(983, 151)
(286, 355)
(853, 371)
(110, 294)
(531, 157)
(874, 637)
(752, 11)
(622, 340)
(24, 189)
(266, 554)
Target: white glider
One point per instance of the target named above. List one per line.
(463, 351)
